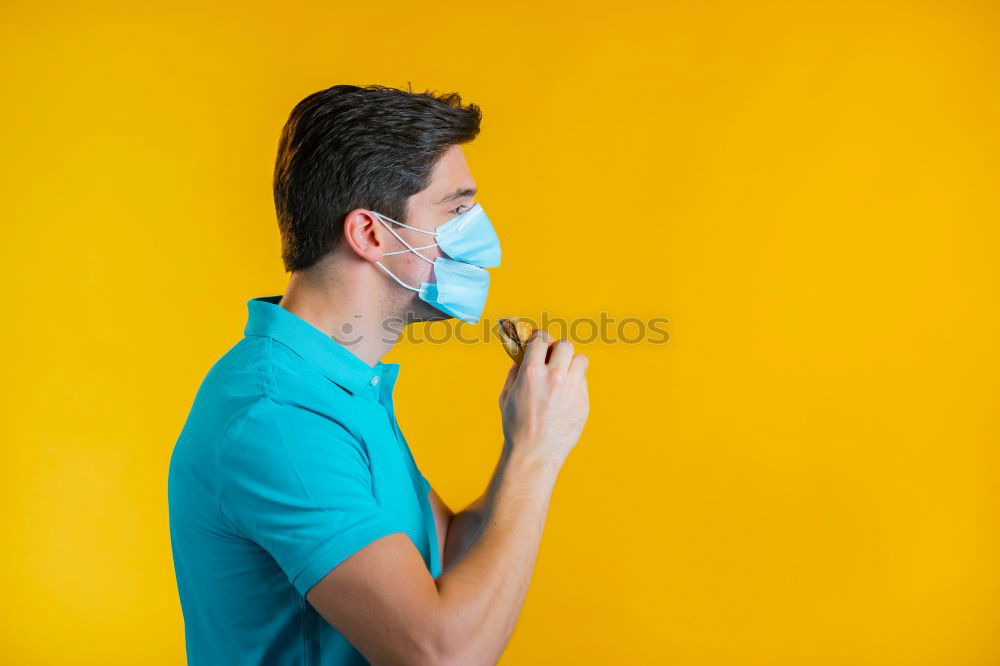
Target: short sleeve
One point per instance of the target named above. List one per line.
(299, 484)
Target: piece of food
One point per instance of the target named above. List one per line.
(514, 333)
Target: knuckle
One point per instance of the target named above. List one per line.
(532, 372)
(540, 335)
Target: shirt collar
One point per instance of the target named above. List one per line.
(338, 364)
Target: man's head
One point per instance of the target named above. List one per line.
(347, 151)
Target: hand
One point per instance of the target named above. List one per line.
(544, 402)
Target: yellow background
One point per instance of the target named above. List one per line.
(806, 474)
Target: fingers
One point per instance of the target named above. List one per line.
(562, 353)
(511, 376)
(537, 348)
(578, 366)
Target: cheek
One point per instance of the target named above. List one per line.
(420, 270)
(427, 270)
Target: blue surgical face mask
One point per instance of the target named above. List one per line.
(461, 284)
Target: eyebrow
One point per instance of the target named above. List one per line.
(459, 194)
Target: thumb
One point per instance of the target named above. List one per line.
(511, 376)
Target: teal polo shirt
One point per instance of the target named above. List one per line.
(290, 460)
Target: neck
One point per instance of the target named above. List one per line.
(346, 307)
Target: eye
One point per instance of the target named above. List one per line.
(457, 210)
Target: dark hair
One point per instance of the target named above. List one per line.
(351, 147)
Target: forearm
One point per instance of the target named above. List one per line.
(482, 592)
(466, 525)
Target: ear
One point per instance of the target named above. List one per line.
(365, 234)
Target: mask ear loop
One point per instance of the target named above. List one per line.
(379, 264)
(411, 249)
(423, 231)
(400, 239)
(422, 247)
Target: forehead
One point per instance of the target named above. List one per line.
(450, 173)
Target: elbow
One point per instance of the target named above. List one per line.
(423, 643)
(425, 652)
(436, 650)
(436, 657)
(449, 645)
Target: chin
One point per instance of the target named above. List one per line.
(419, 311)
(426, 314)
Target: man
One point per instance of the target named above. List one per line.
(302, 530)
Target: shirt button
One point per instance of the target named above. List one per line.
(374, 380)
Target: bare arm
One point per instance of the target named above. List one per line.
(464, 527)
(383, 599)
(482, 592)
(443, 522)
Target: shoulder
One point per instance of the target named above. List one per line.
(269, 428)
(274, 401)
(260, 374)
(299, 382)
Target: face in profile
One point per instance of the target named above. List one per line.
(452, 191)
